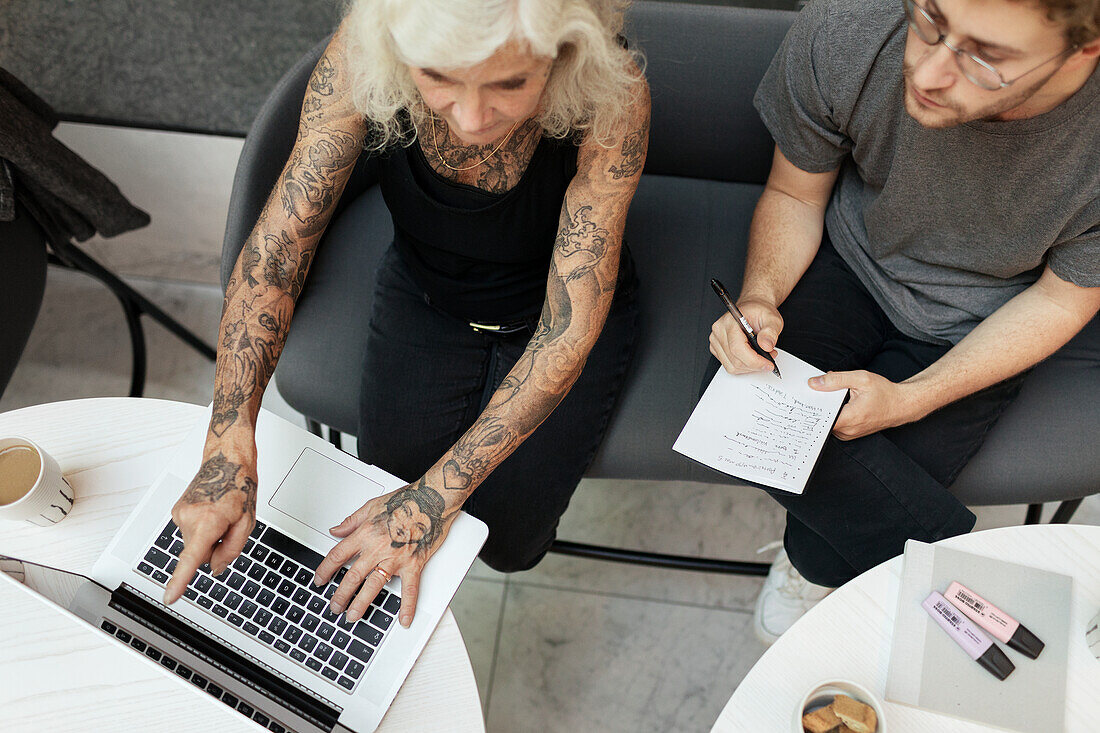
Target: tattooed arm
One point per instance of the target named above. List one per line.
(399, 532)
(220, 503)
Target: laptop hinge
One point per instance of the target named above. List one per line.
(261, 678)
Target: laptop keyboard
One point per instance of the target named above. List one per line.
(193, 677)
(267, 592)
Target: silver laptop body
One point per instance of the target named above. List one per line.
(346, 678)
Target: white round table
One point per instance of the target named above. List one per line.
(825, 643)
(112, 449)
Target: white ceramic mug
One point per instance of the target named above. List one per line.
(1092, 635)
(823, 693)
(49, 499)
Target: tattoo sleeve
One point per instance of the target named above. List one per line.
(272, 267)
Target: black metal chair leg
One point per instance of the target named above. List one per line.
(79, 260)
(69, 255)
(314, 427)
(658, 560)
(1065, 511)
(1034, 514)
(137, 345)
(336, 438)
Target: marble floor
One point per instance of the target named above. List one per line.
(571, 645)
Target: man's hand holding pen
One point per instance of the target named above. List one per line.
(730, 345)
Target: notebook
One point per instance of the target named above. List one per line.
(761, 428)
(930, 671)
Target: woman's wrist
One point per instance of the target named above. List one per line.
(452, 494)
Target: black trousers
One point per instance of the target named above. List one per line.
(867, 496)
(427, 377)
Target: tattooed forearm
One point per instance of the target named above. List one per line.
(309, 185)
(470, 463)
(633, 152)
(281, 261)
(274, 261)
(414, 516)
(216, 478)
(237, 384)
(250, 261)
(249, 353)
(321, 87)
(323, 74)
(581, 243)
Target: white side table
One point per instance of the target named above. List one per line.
(825, 644)
(58, 673)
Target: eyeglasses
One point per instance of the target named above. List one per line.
(973, 68)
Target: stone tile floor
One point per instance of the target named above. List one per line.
(571, 645)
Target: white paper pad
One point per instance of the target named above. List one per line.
(762, 428)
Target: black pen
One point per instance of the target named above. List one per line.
(749, 333)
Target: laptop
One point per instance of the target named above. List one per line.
(260, 637)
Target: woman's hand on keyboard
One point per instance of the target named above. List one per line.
(215, 514)
(396, 532)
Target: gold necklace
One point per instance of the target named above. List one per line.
(435, 144)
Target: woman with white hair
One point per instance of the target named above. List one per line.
(510, 136)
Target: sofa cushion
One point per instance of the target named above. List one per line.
(682, 232)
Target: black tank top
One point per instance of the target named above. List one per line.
(480, 256)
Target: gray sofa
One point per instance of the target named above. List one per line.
(709, 156)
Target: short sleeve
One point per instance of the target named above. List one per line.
(1077, 260)
(793, 98)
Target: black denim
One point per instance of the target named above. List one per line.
(867, 496)
(428, 375)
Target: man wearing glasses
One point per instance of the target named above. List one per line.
(929, 231)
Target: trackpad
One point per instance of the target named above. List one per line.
(319, 492)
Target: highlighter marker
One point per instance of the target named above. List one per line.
(973, 641)
(1003, 627)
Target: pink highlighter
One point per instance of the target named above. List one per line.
(973, 641)
(998, 623)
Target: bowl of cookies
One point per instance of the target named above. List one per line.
(839, 706)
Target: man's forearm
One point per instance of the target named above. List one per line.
(784, 237)
(1018, 335)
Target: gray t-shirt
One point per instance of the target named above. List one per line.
(942, 226)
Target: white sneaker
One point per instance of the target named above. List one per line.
(785, 597)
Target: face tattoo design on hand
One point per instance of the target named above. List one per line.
(413, 516)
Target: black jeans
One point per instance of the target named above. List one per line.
(867, 496)
(427, 377)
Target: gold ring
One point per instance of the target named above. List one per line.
(379, 569)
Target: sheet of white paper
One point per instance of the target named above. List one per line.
(762, 428)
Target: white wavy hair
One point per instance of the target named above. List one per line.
(591, 80)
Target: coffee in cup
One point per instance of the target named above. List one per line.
(32, 488)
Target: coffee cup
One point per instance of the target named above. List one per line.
(32, 488)
(1092, 635)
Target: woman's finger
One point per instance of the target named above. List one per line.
(372, 584)
(336, 558)
(196, 550)
(410, 589)
(232, 544)
(351, 522)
